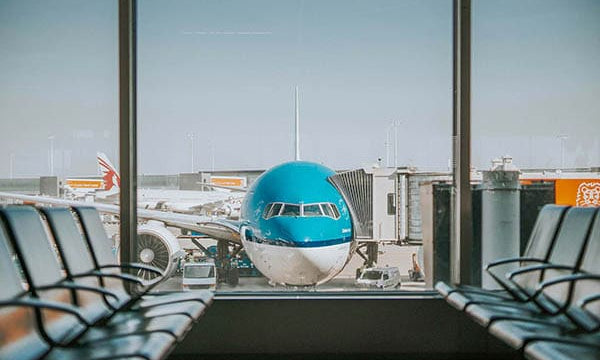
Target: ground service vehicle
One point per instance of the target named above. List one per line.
(199, 275)
(380, 277)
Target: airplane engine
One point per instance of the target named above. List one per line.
(158, 247)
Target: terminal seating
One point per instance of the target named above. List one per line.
(101, 263)
(56, 315)
(538, 251)
(555, 313)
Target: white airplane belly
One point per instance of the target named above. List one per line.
(298, 265)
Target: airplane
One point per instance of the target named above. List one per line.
(295, 225)
(222, 201)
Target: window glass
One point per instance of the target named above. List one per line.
(336, 213)
(275, 209)
(372, 275)
(312, 210)
(391, 204)
(327, 210)
(373, 82)
(290, 210)
(198, 271)
(267, 210)
(59, 103)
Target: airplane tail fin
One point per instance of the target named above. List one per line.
(112, 180)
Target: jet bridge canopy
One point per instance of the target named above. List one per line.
(356, 187)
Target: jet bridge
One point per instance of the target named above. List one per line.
(356, 187)
(371, 198)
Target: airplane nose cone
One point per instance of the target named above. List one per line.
(300, 232)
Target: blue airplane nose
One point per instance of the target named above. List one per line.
(291, 232)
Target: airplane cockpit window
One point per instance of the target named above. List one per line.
(272, 209)
(308, 210)
(335, 210)
(290, 210)
(327, 210)
(312, 210)
(267, 210)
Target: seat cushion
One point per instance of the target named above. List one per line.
(192, 309)
(126, 323)
(460, 299)
(517, 333)
(151, 346)
(548, 350)
(203, 296)
(484, 314)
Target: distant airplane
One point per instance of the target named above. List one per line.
(222, 202)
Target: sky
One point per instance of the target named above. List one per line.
(216, 82)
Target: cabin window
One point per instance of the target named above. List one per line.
(312, 210)
(290, 210)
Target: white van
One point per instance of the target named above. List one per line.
(380, 277)
(199, 275)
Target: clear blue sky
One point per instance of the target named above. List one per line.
(225, 71)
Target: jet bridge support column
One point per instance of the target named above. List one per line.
(372, 251)
(500, 216)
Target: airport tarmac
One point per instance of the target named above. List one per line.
(261, 284)
(388, 255)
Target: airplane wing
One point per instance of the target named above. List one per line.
(216, 228)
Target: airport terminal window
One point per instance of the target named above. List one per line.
(356, 67)
(532, 111)
(237, 68)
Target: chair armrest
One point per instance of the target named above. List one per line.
(97, 273)
(134, 266)
(74, 286)
(512, 260)
(40, 304)
(588, 299)
(543, 267)
(591, 298)
(568, 279)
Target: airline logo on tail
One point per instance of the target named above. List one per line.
(109, 173)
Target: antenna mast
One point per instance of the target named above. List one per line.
(297, 120)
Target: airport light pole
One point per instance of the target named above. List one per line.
(396, 124)
(212, 157)
(563, 139)
(388, 143)
(51, 138)
(191, 137)
(297, 124)
(12, 165)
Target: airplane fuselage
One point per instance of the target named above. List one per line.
(296, 227)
